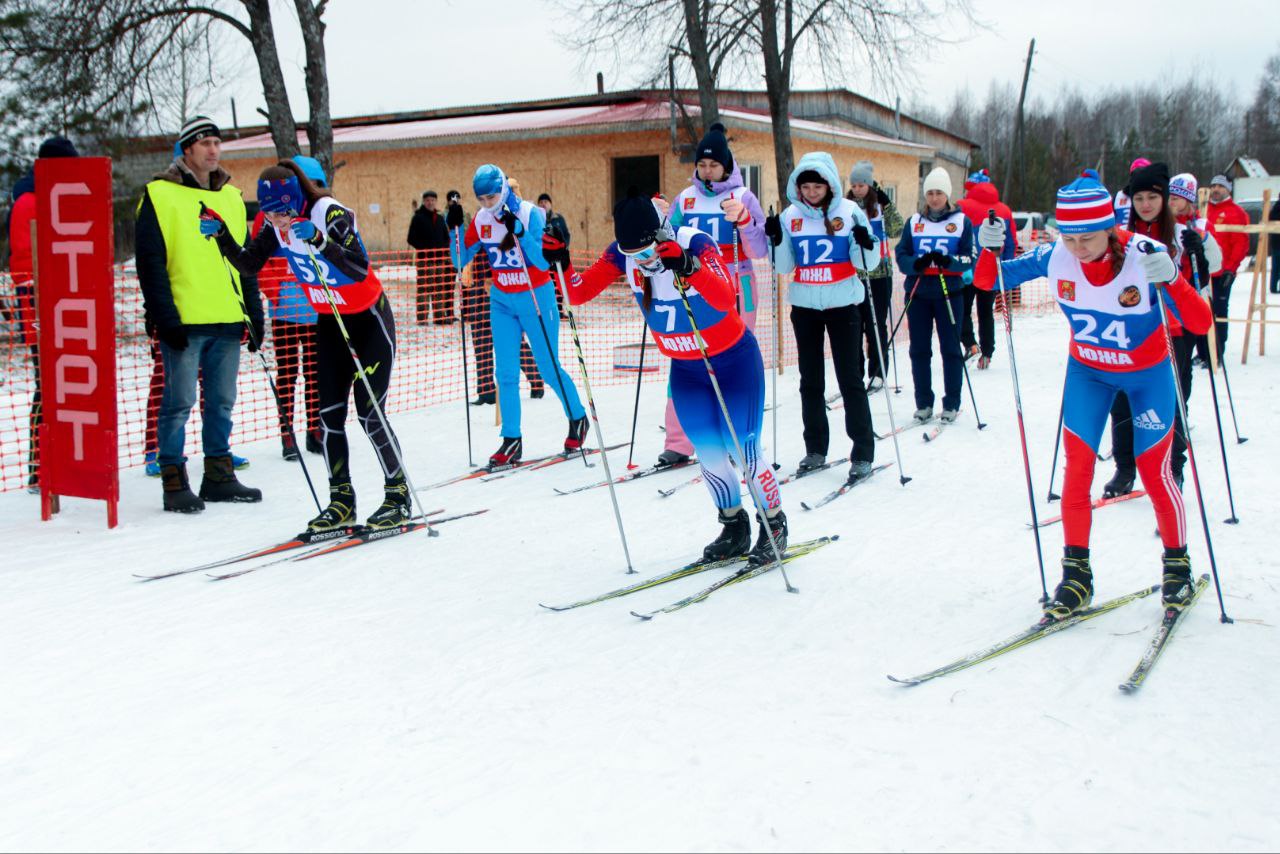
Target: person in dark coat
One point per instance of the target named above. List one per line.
(429, 237)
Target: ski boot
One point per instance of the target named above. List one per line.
(151, 465)
(220, 482)
(289, 448)
(1120, 484)
(811, 462)
(487, 398)
(1177, 589)
(923, 415)
(1075, 591)
(734, 540)
(239, 463)
(577, 435)
(875, 384)
(178, 497)
(396, 508)
(949, 416)
(670, 458)
(763, 553)
(314, 445)
(508, 453)
(340, 513)
(859, 470)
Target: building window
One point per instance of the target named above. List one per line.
(751, 178)
(891, 190)
(639, 172)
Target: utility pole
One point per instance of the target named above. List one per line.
(1022, 98)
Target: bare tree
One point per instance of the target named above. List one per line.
(319, 122)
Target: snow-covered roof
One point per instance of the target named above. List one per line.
(1250, 167)
(562, 121)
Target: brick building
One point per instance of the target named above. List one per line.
(585, 151)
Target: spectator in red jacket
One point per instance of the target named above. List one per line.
(23, 314)
(1235, 245)
(980, 197)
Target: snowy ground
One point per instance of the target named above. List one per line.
(414, 696)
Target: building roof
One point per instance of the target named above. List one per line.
(635, 114)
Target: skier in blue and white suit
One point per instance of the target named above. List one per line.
(510, 231)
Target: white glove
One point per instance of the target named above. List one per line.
(1158, 267)
(991, 235)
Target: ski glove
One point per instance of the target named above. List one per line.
(306, 231)
(882, 198)
(678, 261)
(511, 222)
(862, 236)
(175, 337)
(1158, 267)
(773, 229)
(211, 225)
(554, 250)
(929, 259)
(256, 333)
(454, 218)
(991, 235)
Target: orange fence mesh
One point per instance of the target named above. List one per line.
(429, 365)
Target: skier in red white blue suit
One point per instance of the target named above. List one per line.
(1105, 280)
(658, 264)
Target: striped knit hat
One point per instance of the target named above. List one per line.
(196, 129)
(1184, 186)
(1084, 205)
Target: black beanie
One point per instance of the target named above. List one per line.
(1153, 177)
(58, 146)
(811, 176)
(635, 222)
(715, 146)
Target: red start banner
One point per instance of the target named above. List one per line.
(74, 289)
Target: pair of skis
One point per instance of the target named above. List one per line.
(488, 473)
(742, 572)
(323, 543)
(1097, 504)
(795, 475)
(635, 475)
(1049, 626)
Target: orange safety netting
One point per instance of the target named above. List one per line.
(429, 363)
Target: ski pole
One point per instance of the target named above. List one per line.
(911, 296)
(893, 427)
(733, 434)
(595, 417)
(893, 346)
(777, 346)
(1217, 413)
(466, 370)
(964, 364)
(552, 352)
(737, 276)
(271, 382)
(1147, 248)
(1226, 379)
(1022, 427)
(635, 412)
(368, 387)
(1057, 439)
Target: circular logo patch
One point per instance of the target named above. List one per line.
(951, 228)
(837, 223)
(1130, 296)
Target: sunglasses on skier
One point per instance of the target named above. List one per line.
(642, 255)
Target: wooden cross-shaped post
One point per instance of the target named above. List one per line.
(1258, 286)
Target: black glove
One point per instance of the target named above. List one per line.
(678, 261)
(554, 250)
(925, 261)
(862, 236)
(257, 335)
(773, 229)
(453, 219)
(1192, 241)
(175, 337)
(882, 198)
(511, 222)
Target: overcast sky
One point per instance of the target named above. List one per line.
(390, 55)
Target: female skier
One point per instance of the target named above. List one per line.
(886, 225)
(659, 267)
(509, 230)
(822, 237)
(934, 253)
(718, 204)
(1106, 280)
(1160, 211)
(320, 238)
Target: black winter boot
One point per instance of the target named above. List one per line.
(178, 497)
(341, 512)
(396, 507)
(220, 483)
(763, 552)
(1075, 591)
(734, 539)
(1120, 484)
(1177, 589)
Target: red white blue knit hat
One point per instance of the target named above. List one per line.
(1084, 205)
(1184, 186)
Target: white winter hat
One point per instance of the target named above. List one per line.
(1184, 186)
(938, 179)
